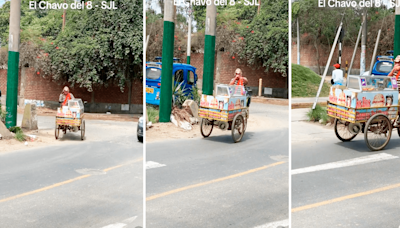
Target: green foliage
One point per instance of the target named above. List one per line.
(96, 47)
(20, 136)
(319, 113)
(267, 37)
(179, 94)
(305, 82)
(3, 114)
(321, 23)
(152, 114)
(15, 129)
(258, 40)
(196, 95)
(107, 46)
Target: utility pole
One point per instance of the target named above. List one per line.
(209, 49)
(167, 61)
(13, 62)
(363, 42)
(397, 30)
(189, 40)
(298, 42)
(340, 47)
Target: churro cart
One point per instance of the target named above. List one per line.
(368, 104)
(227, 110)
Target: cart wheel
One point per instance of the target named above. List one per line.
(206, 127)
(245, 124)
(238, 128)
(57, 132)
(83, 130)
(378, 131)
(342, 131)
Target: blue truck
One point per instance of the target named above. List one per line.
(183, 74)
(383, 65)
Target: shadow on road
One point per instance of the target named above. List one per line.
(227, 138)
(70, 136)
(360, 145)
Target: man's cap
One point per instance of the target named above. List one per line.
(337, 65)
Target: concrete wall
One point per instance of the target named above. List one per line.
(33, 86)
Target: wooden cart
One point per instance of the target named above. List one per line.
(368, 105)
(227, 110)
(71, 118)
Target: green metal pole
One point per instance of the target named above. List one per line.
(167, 61)
(13, 62)
(209, 49)
(396, 48)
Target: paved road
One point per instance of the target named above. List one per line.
(350, 187)
(215, 183)
(94, 183)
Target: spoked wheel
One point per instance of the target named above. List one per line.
(378, 131)
(238, 128)
(206, 127)
(83, 130)
(57, 132)
(342, 131)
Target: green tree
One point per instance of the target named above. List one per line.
(267, 37)
(98, 46)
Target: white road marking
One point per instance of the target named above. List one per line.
(283, 223)
(121, 224)
(345, 163)
(115, 225)
(129, 220)
(152, 165)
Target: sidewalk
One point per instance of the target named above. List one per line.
(307, 102)
(299, 114)
(268, 100)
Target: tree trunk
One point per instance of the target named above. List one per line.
(316, 48)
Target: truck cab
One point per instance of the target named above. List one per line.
(383, 65)
(183, 74)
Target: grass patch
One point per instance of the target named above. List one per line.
(305, 82)
(152, 113)
(15, 129)
(319, 113)
(20, 136)
(3, 114)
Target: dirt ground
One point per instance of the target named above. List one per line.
(166, 131)
(274, 101)
(43, 138)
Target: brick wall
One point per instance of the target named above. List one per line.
(308, 56)
(227, 67)
(39, 88)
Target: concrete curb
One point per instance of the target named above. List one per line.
(267, 100)
(306, 105)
